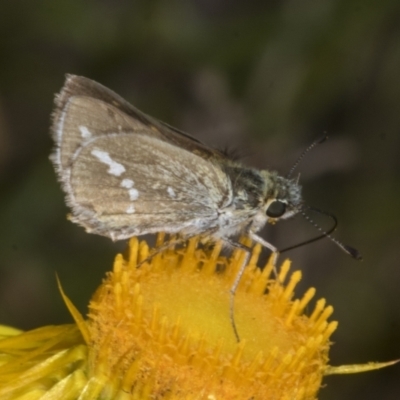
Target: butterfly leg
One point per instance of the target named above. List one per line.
(235, 285)
(264, 243)
(239, 275)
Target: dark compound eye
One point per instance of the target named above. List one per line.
(276, 209)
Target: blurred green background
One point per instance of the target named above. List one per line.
(263, 77)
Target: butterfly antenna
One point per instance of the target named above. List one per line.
(302, 155)
(351, 251)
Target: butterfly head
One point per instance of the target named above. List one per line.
(282, 197)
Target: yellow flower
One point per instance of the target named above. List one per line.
(163, 331)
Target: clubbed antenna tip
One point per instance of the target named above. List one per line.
(352, 252)
(322, 139)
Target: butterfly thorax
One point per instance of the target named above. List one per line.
(248, 187)
(247, 195)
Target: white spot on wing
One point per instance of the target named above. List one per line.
(127, 183)
(171, 192)
(130, 209)
(115, 168)
(133, 194)
(85, 133)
